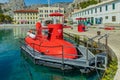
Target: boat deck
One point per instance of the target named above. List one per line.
(79, 62)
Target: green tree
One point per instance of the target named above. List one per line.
(5, 19)
(8, 19)
(87, 3)
(2, 17)
(1, 10)
(73, 5)
(93, 2)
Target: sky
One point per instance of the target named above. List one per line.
(3, 1)
(28, 2)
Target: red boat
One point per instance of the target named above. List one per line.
(52, 50)
(53, 43)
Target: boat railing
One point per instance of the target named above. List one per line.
(96, 45)
(90, 43)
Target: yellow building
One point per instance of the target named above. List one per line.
(25, 16)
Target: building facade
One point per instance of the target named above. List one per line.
(25, 16)
(32, 16)
(102, 13)
(79, 1)
(45, 11)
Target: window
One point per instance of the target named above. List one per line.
(56, 10)
(106, 7)
(113, 6)
(41, 15)
(91, 11)
(45, 15)
(41, 11)
(51, 11)
(95, 10)
(46, 11)
(88, 12)
(100, 9)
(61, 11)
(113, 18)
(106, 17)
(82, 13)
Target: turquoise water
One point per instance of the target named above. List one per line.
(13, 66)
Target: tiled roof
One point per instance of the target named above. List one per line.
(26, 11)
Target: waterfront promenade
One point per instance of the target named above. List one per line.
(113, 41)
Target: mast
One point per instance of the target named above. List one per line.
(48, 7)
(58, 7)
(48, 3)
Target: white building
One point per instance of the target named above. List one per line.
(102, 13)
(45, 11)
